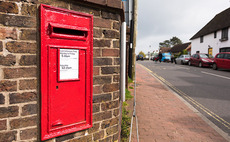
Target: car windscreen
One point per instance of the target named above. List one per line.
(203, 56)
(186, 56)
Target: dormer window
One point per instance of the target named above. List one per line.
(201, 39)
(224, 34)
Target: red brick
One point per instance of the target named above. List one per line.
(96, 52)
(10, 111)
(10, 73)
(2, 98)
(8, 7)
(102, 61)
(18, 21)
(102, 23)
(1, 46)
(21, 47)
(96, 108)
(85, 9)
(101, 80)
(110, 52)
(28, 34)
(97, 33)
(102, 98)
(100, 2)
(116, 25)
(112, 130)
(111, 34)
(96, 70)
(8, 86)
(95, 128)
(97, 90)
(101, 43)
(110, 70)
(29, 109)
(3, 125)
(23, 97)
(28, 84)
(29, 10)
(110, 87)
(27, 60)
(116, 78)
(6, 33)
(109, 15)
(102, 116)
(98, 135)
(8, 136)
(109, 123)
(23, 122)
(109, 105)
(8, 60)
(114, 3)
(28, 134)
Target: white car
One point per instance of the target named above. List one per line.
(182, 59)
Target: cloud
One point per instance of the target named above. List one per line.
(160, 20)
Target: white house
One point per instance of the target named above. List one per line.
(214, 36)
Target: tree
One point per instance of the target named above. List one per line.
(175, 40)
(142, 53)
(170, 43)
(166, 43)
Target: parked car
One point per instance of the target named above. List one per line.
(139, 57)
(201, 60)
(166, 57)
(222, 60)
(182, 59)
(155, 58)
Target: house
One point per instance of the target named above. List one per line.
(180, 47)
(213, 37)
(164, 49)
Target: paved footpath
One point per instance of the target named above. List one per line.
(163, 117)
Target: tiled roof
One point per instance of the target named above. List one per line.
(220, 21)
(179, 47)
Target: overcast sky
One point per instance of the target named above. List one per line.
(160, 20)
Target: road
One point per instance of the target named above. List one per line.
(205, 89)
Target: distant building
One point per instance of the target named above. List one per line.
(213, 37)
(180, 47)
(165, 49)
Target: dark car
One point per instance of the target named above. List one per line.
(201, 60)
(139, 57)
(222, 60)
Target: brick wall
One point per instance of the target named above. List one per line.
(19, 69)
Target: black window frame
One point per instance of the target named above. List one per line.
(224, 34)
(215, 33)
(201, 39)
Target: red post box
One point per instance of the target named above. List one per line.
(66, 71)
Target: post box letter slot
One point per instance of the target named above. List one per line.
(67, 32)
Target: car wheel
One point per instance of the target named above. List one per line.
(175, 62)
(182, 62)
(200, 64)
(214, 66)
(189, 63)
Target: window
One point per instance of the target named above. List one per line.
(215, 34)
(220, 56)
(201, 39)
(227, 56)
(225, 49)
(224, 35)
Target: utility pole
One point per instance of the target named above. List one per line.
(134, 37)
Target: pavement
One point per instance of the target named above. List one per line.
(165, 117)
